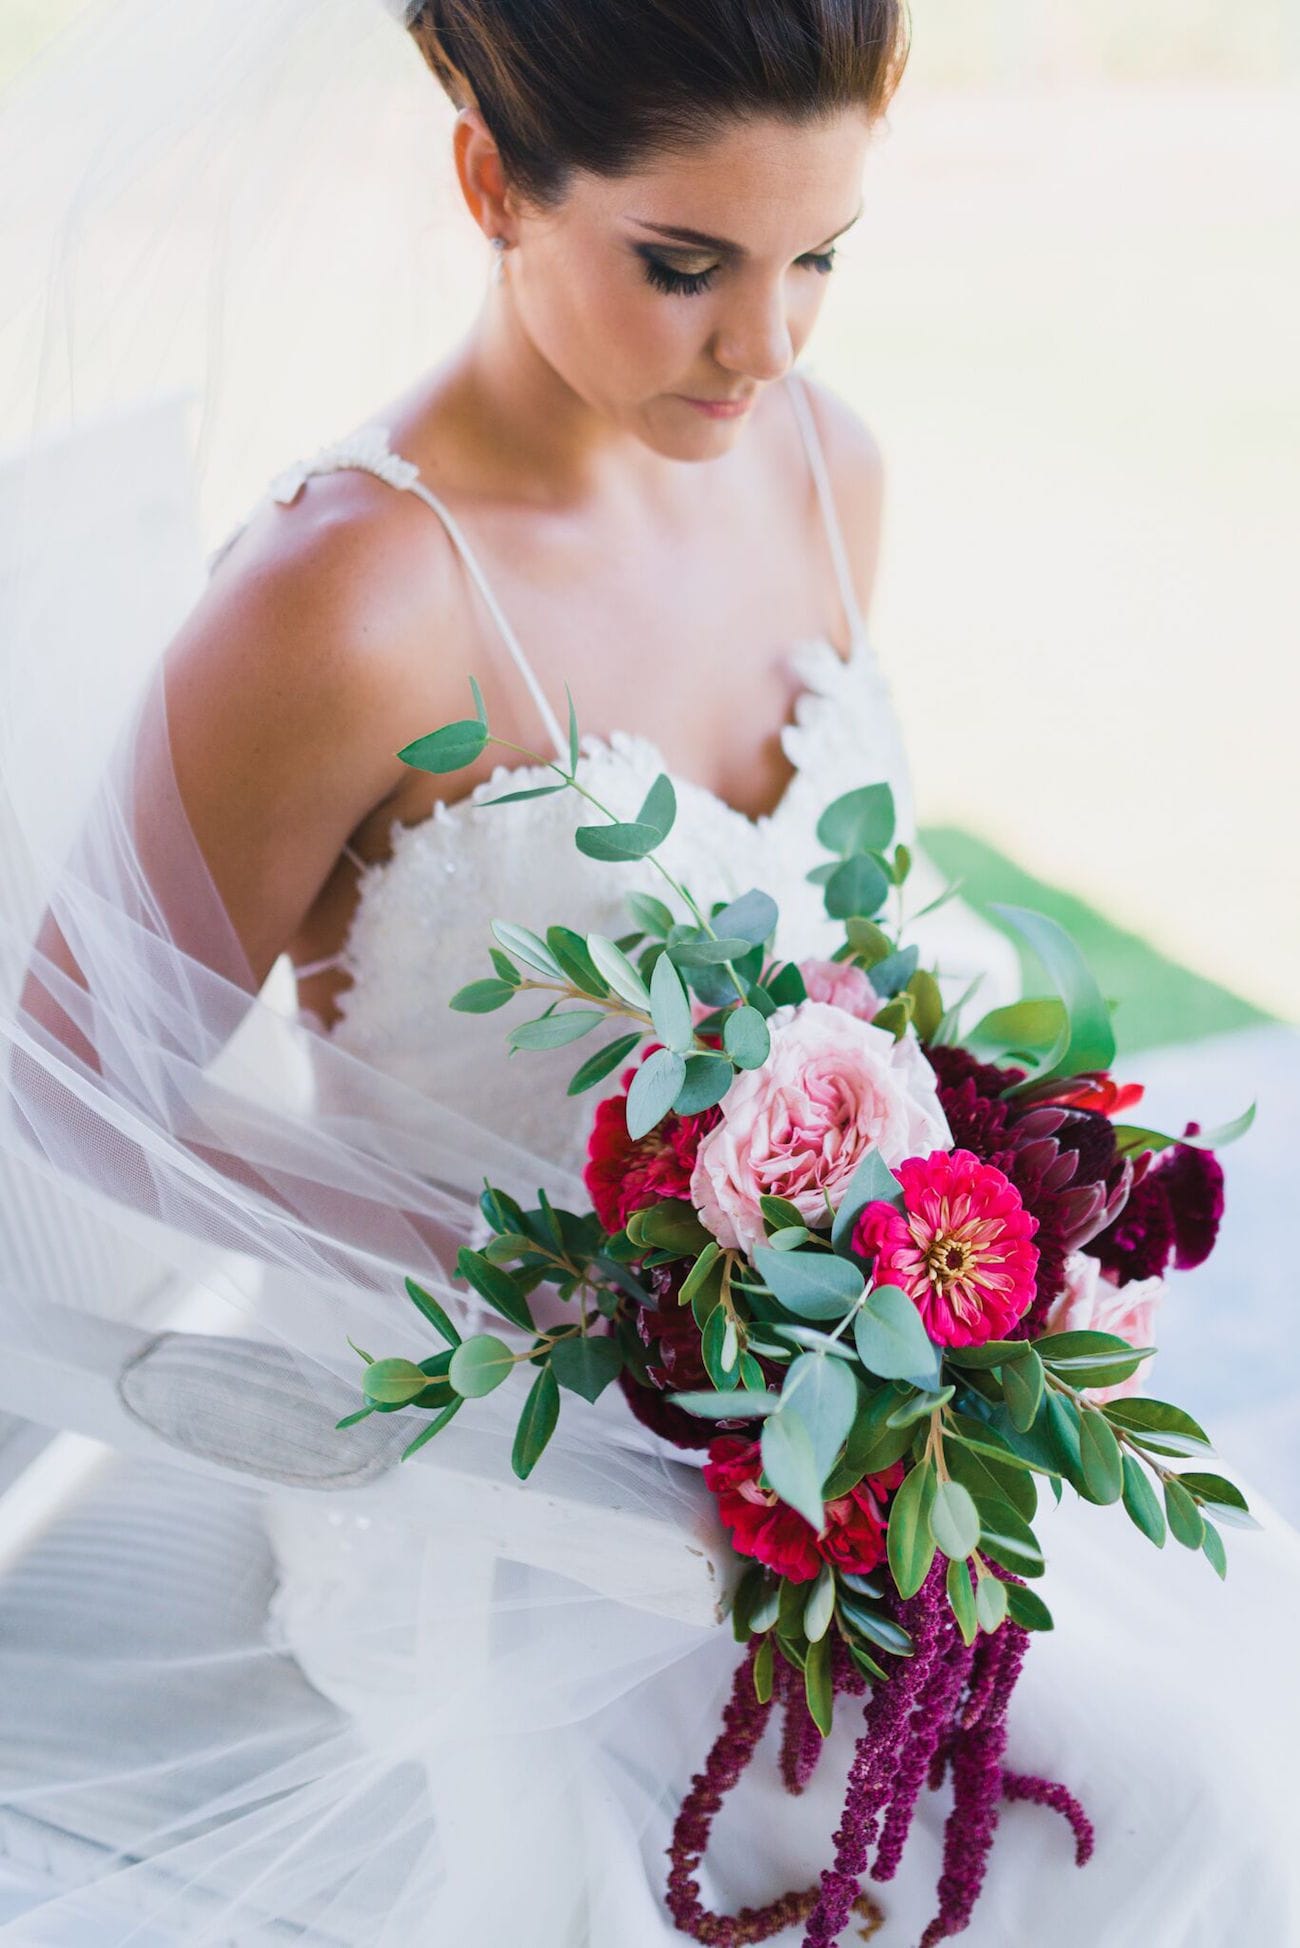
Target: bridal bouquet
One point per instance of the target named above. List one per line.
(898, 1275)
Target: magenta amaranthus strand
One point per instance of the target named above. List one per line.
(946, 1704)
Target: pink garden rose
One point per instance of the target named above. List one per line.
(960, 1247)
(832, 1087)
(841, 985)
(1092, 1302)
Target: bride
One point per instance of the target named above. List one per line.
(620, 482)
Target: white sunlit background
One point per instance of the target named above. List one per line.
(1071, 315)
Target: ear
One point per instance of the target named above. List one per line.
(481, 175)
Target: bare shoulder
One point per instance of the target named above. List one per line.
(855, 465)
(326, 613)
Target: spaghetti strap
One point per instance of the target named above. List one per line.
(458, 540)
(368, 448)
(826, 500)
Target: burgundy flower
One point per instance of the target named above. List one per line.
(622, 1176)
(764, 1527)
(676, 1365)
(1173, 1212)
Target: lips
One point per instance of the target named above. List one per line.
(722, 408)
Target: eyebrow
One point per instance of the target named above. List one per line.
(701, 239)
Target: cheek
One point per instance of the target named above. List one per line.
(606, 331)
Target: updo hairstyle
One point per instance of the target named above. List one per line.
(601, 85)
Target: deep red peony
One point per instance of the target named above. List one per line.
(622, 1176)
(763, 1527)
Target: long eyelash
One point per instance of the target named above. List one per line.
(680, 284)
(688, 284)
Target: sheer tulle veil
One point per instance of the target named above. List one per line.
(219, 1144)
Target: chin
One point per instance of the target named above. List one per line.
(686, 435)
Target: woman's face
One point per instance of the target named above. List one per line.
(652, 326)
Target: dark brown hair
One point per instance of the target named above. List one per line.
(601, 85)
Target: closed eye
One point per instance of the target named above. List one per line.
(688, 284)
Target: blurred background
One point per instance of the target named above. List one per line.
(1071, 314)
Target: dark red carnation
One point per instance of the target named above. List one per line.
(1193, 1180)
(622, 1176)
(765, 1528)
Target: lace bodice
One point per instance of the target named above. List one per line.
(421, 926)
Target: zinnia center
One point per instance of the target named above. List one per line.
(958, 1261)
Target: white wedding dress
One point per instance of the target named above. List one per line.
(548, 1765)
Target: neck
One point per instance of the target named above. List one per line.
(533, 430)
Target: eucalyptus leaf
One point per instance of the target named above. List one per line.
(764, 1675)
(570, 950)
(660, 807)
(890, 1336)
(654, 1088)
(448, 749)
(529, 791)
(482, 997)
(812, 1285)
(872, 1182)
(891, 975)
(752, 917)
(705, 951)
(556, 1030)
(746, 1039)
(1212, 1544)
(528, 947)
(614, 966)
(650, 914)
(859, 820)
(858, 886)
(740, 1403)
(617, 841)
(779, 1213)
(826, 1397)
(790, 1465)
(706, 1081)
(670, 1007)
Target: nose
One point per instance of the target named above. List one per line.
(754, 339)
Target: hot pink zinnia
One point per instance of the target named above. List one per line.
(960, 1247)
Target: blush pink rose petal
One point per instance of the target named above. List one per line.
(1091, 1302)
(831, 1089)
(841, 985)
